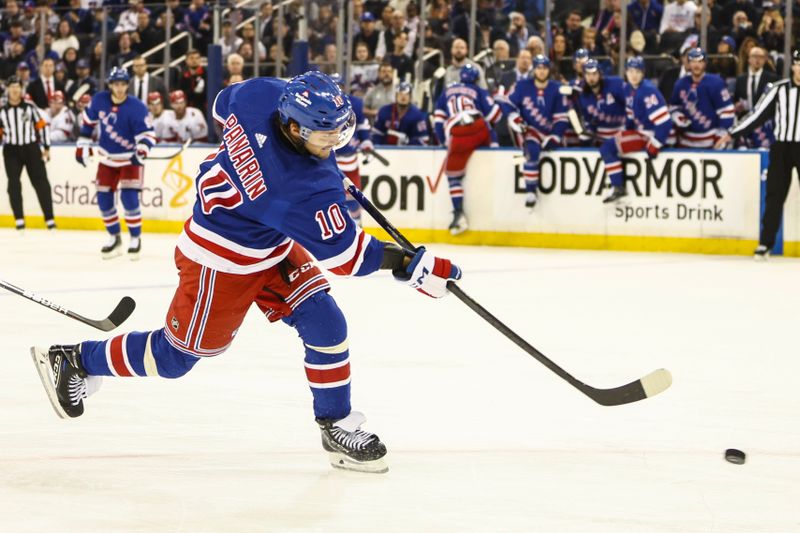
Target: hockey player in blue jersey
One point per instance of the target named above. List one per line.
(401, 123)
(537, 113)
(269, 201)
(464, 121)
(347, 157)
(601, 102)
(647, 126)
(126, 136)
(700, 105)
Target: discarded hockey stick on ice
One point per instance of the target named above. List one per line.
(183, 147)
(120, 313)
(376, 155)
(653, 383)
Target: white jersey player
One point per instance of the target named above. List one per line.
(164, 123)
(190, 122)
(61, 119)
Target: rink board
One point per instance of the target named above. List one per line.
(689, 201)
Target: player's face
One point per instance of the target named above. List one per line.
(321, 143)
(592, 78)
(542, 73)
(635, 76)
(697, 67)
(156, 108)
(179, 107)
(403, 99)
(55, 107)
(119, 89)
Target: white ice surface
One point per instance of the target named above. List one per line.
(481, 437)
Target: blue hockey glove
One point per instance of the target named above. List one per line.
(428, 274)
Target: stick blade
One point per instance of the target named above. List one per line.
(653, 383)
(119, 315)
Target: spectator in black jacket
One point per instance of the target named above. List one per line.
(193, 80)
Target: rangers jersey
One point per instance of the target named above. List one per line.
(604, 112)
(122, 127)
(543, 110)
(707, 107)
(257, 197)
(461, 104)
(393, 128)
(647, 112)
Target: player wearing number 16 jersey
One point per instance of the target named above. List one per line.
(268, 200)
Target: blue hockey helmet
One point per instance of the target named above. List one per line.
(403, 87)
(337, 79)
(316, 103)
(696, 54)
(636, 62)
(541, 60)
(118, 74)
(580, 53)
(469, 73)
(591, 65)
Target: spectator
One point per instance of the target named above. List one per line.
(24, 75)
(41, 89)
(672, 75)
(386, 18)
(501, 50)
(458, 58)
(79, 18)
(725, 66)
(364, 72)
(771, 27)
(65, 38)
(234, 66)
(590, 43)
(321, 30)
(60, 75)
(327, 61)
(368, 34)
(712, 33)
(559, 57)
(742, 28)
(731, 7)
(645, 16)
(85, 84)
(70, 59)
(398, 58)
(96, 58)
(246, 51)
(750, 86)
(128, 19)
(521, 70)
(10, 14)
(15, 35)
(283, 36)
(606, 13)
(386, 38)
(573, 29)
(267, 22)
(228, 39)
(100, 20)
(167, 19)
(9, 64)
(125, 51)
(249, 36)
(535, 46)
(143, 83)
(146, 36)
(197, 21)
(382, 93)
(271, 67)
(193, 80)
(677, 19)
(519, 31)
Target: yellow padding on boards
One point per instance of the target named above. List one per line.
(339, 348)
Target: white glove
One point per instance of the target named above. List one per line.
(515, 123)
(367, 146)
(428, 274)
(680, 120)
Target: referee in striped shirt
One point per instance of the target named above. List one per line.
(22, 130)
(781, 103)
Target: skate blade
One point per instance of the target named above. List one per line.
(133, 256)
(342, 462)
(42, 364)
(112, 254)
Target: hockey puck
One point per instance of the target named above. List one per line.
(737, 457)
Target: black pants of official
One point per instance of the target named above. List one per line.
(29, 157)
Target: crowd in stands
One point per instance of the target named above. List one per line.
(55, 46)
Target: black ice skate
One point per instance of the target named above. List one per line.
(113, 248)
(63, 377)
(134, 248)
(616, 194)
(530, 200)
(350, 448)
(459, 224)
(761, 253)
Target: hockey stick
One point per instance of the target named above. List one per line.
(376, 155)
(183, 147)
(653, 383)
(120, 313)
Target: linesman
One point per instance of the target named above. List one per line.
(26, 144)
(781, 103)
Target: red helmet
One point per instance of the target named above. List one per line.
(177, 96)
(154, 97)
